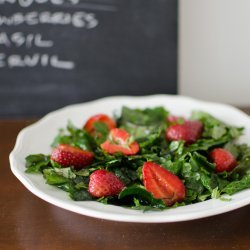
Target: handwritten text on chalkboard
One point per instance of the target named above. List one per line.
(27, 3)
(58, 52)
(77, 19)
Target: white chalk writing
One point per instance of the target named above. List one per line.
(79, 19)
(28, 3)
(19, 39)
(43, 60)
(27, 39)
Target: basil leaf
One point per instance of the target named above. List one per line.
(36, 163)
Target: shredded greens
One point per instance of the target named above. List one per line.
(189, 162)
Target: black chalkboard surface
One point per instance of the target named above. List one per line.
(57, 52)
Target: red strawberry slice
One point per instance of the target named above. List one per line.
(103, 183)
(67, 155)
(162, 183)
(189, 131)
(89, 125)
(120, 140)
(223, 159)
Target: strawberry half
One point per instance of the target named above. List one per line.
(89, 125)
(223, 159)
(120, 140)
(103, 183)
(189, 131)
(67, 155)
(162, 183)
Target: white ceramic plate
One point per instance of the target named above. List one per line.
(38, 137)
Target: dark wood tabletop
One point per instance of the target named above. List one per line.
(27, 222)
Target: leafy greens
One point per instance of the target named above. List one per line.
(189, 162)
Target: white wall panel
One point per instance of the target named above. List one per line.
(214, 50)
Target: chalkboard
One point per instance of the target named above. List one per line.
(58, 52)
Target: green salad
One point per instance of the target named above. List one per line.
(146, 159)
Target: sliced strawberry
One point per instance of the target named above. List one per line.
(120, 140)
(189, 131)
(162, 183)
(89, 125)
(67, 155)
(223, 159)
(103, 183)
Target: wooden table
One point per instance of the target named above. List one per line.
(28, 222)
